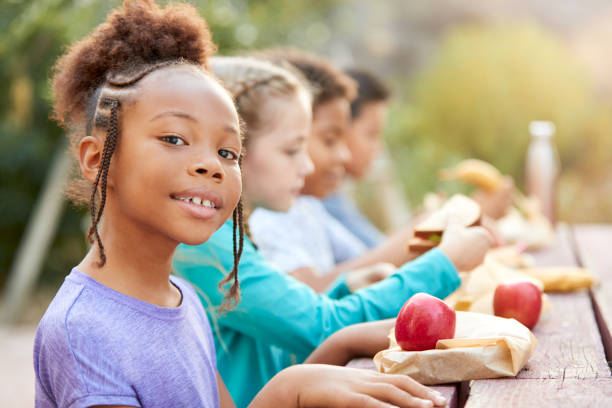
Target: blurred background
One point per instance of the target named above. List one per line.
(467, 78)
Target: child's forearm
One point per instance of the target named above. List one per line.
(280, 391)
(310, 385)
(359, 340)
(332, 351)
(392, 250)
(314, 279)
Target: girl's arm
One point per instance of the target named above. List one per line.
(354, 279)
(225, 399)
(358, 340)
(277, 309)
(315, 385)
(392, 250)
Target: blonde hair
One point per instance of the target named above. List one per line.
(251, 82)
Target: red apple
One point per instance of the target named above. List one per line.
(422, 321)
(519, 300)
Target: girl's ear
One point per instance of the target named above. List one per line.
(90, 157)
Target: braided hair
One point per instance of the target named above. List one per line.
(252, 82)
(100, 74)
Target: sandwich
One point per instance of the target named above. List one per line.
(428, 233)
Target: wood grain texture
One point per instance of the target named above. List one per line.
(568, 368)
(541, 393)
(594, 246)
(569, 342)
(449, 391)
(561, 252)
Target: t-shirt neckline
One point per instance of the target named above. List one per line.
(159, 312)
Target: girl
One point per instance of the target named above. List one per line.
(279, 320)
(158, 145)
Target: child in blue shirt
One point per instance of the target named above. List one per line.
(280, 320)
(364, 142)
(158, 145)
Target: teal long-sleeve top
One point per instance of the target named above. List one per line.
(279, 320)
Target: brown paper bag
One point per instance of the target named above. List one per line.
(477, 287)
(484, 347)
(561, 278)
(513, 256)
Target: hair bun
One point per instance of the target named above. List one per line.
(136, 34)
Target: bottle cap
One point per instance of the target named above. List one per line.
(542, 128)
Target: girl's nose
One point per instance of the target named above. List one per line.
(307, 166)
(207, 167)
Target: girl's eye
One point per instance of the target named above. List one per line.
(292, 152)
(226, 154)
(173, 140)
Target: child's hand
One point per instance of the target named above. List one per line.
(465, 247)
(330, 386)
(490, 225)
(364, 277)
(495, 204)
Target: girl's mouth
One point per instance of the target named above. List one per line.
(197, 201)
(198, 205)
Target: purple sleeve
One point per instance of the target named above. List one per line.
(72, 370)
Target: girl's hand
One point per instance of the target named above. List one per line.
(364, 277)
(465, 247)
(313, 385)
(495, 204)
(490, 225)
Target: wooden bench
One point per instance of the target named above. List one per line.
(570, 366)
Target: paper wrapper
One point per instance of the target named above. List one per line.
(477, 288)
(561, 278)
(511, 255)
(484, 347)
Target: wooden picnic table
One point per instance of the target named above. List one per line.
(571, 364)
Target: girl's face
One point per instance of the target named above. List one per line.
(276, 159)
(327, 147)
(175, 172)
(365, 137)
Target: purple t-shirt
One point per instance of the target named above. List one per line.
(96, 346)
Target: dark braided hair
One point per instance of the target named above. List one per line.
(98, 77)
(233, 294)
(109, 148)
